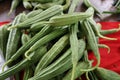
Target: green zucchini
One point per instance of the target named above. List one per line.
(105, 74)
(4, 38)
(14, 38)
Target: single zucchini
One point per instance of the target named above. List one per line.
(34, 13)
(14, 38)
(105, 74)
(4, 38)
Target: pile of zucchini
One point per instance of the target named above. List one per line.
(38, 4)
(51, 44)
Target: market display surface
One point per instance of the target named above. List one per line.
(54, 42)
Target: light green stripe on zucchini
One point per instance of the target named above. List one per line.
(52, 53)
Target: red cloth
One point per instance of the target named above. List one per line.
(110, 61)
(1, 23)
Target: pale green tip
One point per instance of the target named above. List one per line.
(9, 13)
(12, 27)
(26, 55)
(3, 67)
(108, 38)
(93, 68)
(118, 28)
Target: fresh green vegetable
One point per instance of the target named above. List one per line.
(27, 4)
(35, 56)
(92, 42)
(14, 38)
(47, 5)
(105, 74)
(52, 53)
(74, 39)
(17, 76)
(54, 72)
(89, 4)
(45, 40)
(41, 1)
(67, 19)
(34, 13)
(104, 46)
(14, 4)
(23, 49)
(110, 31)
(67, 4)
(28, 72)
(66, 57)
(94, 25)
(74, 47)
(46, 14)
(117, 3)
(80, 65)
(92, 76)
(4, 38)
(25, 38)
(37, 26)
(55, 42)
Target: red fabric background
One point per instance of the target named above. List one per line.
(1, 23)
(112, 60)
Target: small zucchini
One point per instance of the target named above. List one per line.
(105, 74)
